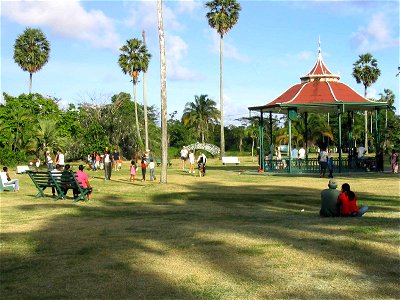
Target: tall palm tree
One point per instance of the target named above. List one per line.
(223, 15)
(163, 76)
(200, 114)
(134, 58)
(31, 51)
(146, 132)
(388, 97)
(366, 71)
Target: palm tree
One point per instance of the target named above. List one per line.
(366, 71)
(388, 97)
(146, 132)
(200, 114)
(134, 58)
(223, 15)
(163, 75)
(31, 51)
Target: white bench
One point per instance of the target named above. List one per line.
(22, 169)
(230, 160)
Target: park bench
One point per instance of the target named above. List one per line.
(60, 182)
(157, 160)
(230, 160)
(6, 187)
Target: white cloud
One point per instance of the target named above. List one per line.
(375, 36)
(188, 6)
(144, 15)
(176, 51)
(372, 93)
(66, 19)
(229, 51)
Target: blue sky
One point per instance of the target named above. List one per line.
(271, 46)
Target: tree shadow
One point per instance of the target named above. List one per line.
(99, 249)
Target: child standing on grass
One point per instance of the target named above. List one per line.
(144, 166)
(133, 170)
(119, 166)
(152, 165)
(330, 167)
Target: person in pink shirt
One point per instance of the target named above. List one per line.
(83, 180)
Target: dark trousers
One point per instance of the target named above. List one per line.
(107, 170)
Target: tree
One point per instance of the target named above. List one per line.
(200, 114)
(163, 77)
(388, 97)
(223, 15)
(366, 71)
(134, 58)
(31, 51)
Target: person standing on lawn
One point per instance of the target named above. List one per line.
(107, 164)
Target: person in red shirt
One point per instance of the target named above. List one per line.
(83, 180)
(347, 202)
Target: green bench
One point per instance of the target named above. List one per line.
(157, 160)
(61, 182)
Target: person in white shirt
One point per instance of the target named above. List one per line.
(60, 159)
(323, 161)
(7, 181)
(184, 156)
(295, 154)
(302, 156)
(191, 161)
(152, 165)
(360, 152)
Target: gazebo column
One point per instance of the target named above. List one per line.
(271, 147)
(350, 116)
(377, 131)
(290, 143)
(261, 133)
(340, 138)
(306, 135)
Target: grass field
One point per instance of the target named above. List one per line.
(223, 236)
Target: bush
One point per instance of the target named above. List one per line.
(11, 158)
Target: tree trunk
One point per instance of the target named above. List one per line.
(30, 83)
(136, 116)
(221, 98)
(146, 132)
(252, 150)
(365, 124)
(163, 74)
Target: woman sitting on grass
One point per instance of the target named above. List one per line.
(347, 201)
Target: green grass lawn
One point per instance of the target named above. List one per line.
(223, 236)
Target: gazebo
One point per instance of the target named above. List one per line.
(320, 91)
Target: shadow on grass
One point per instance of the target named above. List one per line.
(122, 247)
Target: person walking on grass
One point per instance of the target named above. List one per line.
(152, 166)
(330, 167)
(133, 170)
(394, 161)
(184, 156)
(143, 164)
(347, 202)
(191, 161)
(323, 162)
(107, 164)
(201, 163)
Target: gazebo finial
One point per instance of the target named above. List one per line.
(319, 44)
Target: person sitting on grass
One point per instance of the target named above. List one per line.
(83, 180)
(329, 197)
(347, 202)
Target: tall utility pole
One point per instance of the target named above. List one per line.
(146, 132)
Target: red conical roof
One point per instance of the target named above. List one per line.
(319, 90)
